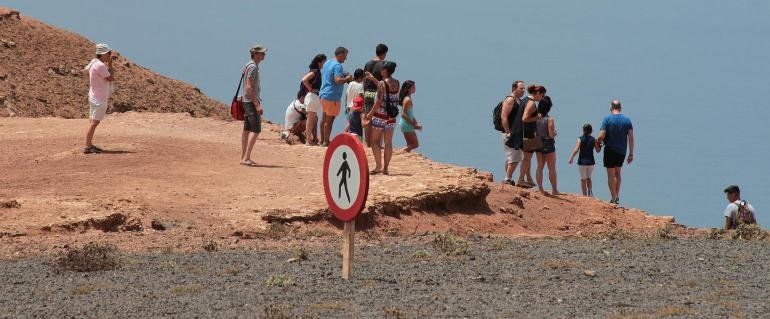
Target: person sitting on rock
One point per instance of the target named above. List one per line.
(738, 211)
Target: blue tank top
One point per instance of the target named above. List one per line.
(586, 155)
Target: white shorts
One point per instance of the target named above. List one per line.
(313, 103)
(511, 155)
(97, 109)
(585, 171)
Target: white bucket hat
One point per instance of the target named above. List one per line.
(102, 48)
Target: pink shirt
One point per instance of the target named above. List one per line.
(100, 88)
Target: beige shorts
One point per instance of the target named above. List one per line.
(97, 110)
(313, 103)
(511, 155)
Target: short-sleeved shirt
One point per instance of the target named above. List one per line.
(373, 67)
(331, 90)
(100, 88)
(732, 209)
(354, 88)
(616, 127)
(252, 73)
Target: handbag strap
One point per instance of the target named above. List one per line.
(243, 74)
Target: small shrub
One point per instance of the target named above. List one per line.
(299, 254)
(666, 232)
(750, 232)
(280, 281)
(91, 257)
(278, 311)
(210, 246)
(450, 245)
(420, 254)
(716, 233)
(394, 312)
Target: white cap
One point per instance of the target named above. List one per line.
(102, 48)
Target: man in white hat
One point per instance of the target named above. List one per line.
(100, 74)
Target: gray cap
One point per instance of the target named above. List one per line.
(732, 189)
(257, 48)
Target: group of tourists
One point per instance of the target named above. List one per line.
(375, 103)
(528, 129)
(373, 97)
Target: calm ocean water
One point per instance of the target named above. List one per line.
(691, 76)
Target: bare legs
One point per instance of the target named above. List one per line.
(380, 137)
(326, 129)
(247, 144)
(90, 133)
(586, 185)
(411, 141)
(311, 135)
(613, 181)
(526, 165)
(549, 160)
(376, 144)
(509, 169)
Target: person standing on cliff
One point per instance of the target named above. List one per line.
(333, 80)
(252, 104)
(512, 138)
(100, 75)
(617, 134)
(370, 87)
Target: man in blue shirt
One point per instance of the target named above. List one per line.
(617, 134)
(333, 80)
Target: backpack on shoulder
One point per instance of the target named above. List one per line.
(497, 115)
(743, 215)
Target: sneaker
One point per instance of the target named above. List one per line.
(509, 182)
(92, 150)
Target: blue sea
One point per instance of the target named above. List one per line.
(692, 75)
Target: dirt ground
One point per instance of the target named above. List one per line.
(181, 173)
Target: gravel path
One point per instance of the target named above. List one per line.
(409, 278)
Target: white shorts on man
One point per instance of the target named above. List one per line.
(97, 109)
(511, 155)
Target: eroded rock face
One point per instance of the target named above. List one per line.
(111, 223)
(446, 197)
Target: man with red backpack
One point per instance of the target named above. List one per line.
(738, 212)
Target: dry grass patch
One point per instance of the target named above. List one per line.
(671, 311)
(88, 288)
(558, 264)
(449, 244)
(190, 289)
(278, 311)
(750, 232)
(282, 280)
(91, 257)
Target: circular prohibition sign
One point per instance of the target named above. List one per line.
(346, 177)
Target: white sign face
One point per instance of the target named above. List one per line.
(344, 177)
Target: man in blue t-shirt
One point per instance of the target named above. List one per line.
(333, 80)
(617, 134)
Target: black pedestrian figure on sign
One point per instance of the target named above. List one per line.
(345, 171)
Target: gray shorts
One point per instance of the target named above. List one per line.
(252, 121)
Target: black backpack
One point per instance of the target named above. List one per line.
(497, 118)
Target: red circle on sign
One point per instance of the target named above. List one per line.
(349, 140)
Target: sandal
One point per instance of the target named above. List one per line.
(374, 172)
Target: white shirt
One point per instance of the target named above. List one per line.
(292, 116)
(354, 88)
(732, 209)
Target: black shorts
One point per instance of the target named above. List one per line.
(613, 159)
(252, 121)
(354, 118)
(549, 146)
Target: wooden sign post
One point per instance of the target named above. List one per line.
(346, 186)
